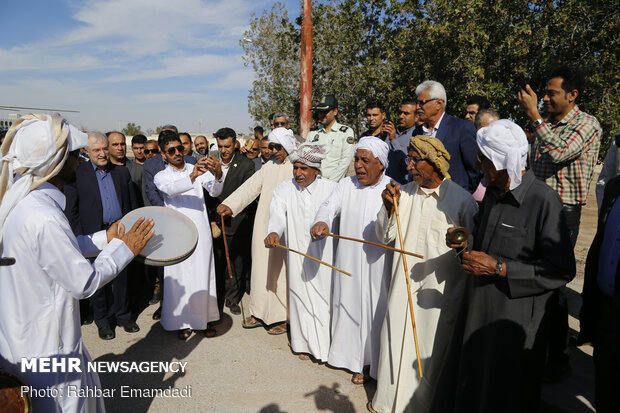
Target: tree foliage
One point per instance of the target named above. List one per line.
(132, 129)
(382, 49)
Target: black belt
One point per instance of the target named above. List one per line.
(571, 207)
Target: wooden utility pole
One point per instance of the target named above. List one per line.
(305, 103)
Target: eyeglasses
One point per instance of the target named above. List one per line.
(151, 151)
(278, 124)
(172, 150)
(413, 159)
(424, 102)
(275, 146)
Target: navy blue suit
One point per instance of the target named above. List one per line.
(459, 138)
(151, 168)
(84, 211)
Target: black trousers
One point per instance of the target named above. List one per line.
(558, 334)
(111, 303)
(231, 290)
(606, 360)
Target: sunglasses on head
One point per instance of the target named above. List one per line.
(173, 149)
(275, 146)
(151, 151)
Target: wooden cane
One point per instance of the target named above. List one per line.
(313, 259)
(387, 247)
(226, 247)
(402, 245)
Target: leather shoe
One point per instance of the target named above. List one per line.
(157, 314)
(235, 309)
(130, 327)
(106, 333)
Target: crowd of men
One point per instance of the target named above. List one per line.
(386, 211)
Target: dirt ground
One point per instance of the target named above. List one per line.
(250, 371)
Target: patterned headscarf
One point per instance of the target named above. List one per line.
(433, 151)
(309, 154)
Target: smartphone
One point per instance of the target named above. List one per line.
(215, 153)
(521, 81)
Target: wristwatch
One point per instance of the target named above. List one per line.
(537, 123)
(498, 268)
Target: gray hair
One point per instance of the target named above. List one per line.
(478, 119)
(279, 115)
(435, 91)
(96, 136)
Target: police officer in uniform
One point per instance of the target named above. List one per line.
(339, 138)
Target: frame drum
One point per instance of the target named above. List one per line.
(175, 236)
(11, 398)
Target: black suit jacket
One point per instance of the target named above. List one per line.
(84, 209)
(591, 293)
(459, 138)
(241, 168)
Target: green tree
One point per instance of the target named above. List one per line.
(132, 129)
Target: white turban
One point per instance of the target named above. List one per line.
(284, 137)
(375, 145)
(505, 144)
(35, 148)
(309, 154)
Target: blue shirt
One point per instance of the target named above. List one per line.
(609, 254)
(109, 201)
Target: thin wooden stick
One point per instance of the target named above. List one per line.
(387, 247)
(314, 259)
(230, 275)
(415, 333)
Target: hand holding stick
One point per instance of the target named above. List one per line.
(415, 334)
(230, 275)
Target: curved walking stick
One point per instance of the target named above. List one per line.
(402, 246)
(226, 248)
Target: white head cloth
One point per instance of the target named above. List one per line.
(284, 137)
(505, 144)
(309, 154)
(35, 148)
(375, 145)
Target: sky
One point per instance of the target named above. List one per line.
(150, 62)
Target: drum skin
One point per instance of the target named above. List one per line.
(175, 236)
(11, 399)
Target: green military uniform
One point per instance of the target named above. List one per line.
(341, 142)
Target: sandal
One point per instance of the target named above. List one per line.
(277, 329)
(185, 333)
(369, 407)
(210, 332)
(251, 322)
(359, 378)
(304, 356)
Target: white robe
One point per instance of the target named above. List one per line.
(39, 307)
(291, 213)
(190, 299)
(268, 281)
(437, 287)
(359, 302)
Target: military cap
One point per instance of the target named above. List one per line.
(328, 102)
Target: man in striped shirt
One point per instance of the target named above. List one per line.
(563, 154)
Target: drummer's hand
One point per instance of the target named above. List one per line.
(224, 210)
(319, 230)
(214, 166)
(271, 240)
(138, 235)
(461, 245)
(391, 191)
(112, 232)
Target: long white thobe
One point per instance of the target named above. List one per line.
(268, 281)
(39, 307)
(359, 302)
(190, 299)
(437, 287)
(291, 213)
